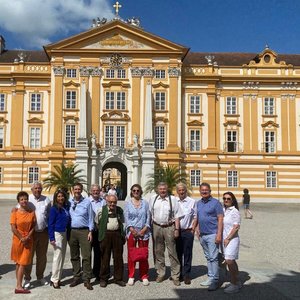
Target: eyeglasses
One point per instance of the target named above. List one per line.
(135, 191)
(226, 198)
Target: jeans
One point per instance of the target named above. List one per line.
(211, 250)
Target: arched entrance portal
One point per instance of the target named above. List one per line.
(115, 173)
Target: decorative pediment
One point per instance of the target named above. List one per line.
(160, 84)
(68, 118)
(3, 120)
(115, 116)
(232, 123)
(270, 124)
(195, 123)
(161, 119)
(116, 83)
(35, 121)
(71, 83)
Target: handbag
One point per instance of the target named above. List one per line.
(138, 254)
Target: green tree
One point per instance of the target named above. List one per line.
(170, 174)
(64, 177)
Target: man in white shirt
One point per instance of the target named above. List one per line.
(188, 223)
(41, 205)
(165, 213)
(112, 191)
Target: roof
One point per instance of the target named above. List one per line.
(8, 56)
(235, 58)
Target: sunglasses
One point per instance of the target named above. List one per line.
(135, 191)
(226, 198)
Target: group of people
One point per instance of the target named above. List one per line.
(95, 224)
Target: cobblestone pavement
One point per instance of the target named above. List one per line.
(269, 264)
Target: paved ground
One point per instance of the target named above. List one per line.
(269, 264)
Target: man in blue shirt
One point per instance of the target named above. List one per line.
(210, 219)
(82, 225)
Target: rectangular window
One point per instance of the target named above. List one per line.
(1, 172)
(110, 100)
(110, 73)
(1, 137)
(195, 104)
(109, 136)
(269, 106)
(114, 135)
(121, 100)
(232, 178)
(271, 179)
(35, 138)
(71, 73)
(70, 137)
(35, 102)
(120, 140)
(33, 174)
(159, 137)
(160, 100)
(231, 106)
(2, 102)
(160, 74)
(194, 140)
(195, 177)
(270, 141)
(121, 73)
(231, 143)
(71, 99)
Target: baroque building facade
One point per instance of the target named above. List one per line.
(117, 96)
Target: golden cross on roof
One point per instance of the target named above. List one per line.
(117, 6)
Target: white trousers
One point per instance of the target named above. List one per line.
(59, 252)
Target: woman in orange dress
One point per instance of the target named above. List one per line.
(22, 222)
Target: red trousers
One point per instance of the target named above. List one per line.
(144, 265)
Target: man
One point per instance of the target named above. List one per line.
(82, 225)
(210, 219)
(188, 223)
(165, 213)
(97, 203)
(112, 190)
(41, 205)
(111, 238)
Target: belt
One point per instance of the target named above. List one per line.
(188, 229)
(113, 230)
(80, 228)
(164, 225)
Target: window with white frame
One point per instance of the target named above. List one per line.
(232, 178)
(114, 136)
(33, 174)
(195, 177)
(160, 74)
(1, 172)
(269, 144)
(1, 137)
(115, 100)
(121, 73)
(160, 100)
(71, 99)
(70, 136)
(231, 141)
(71, 73)
(269, 106)
(231, 106)
(35, 102)
(110, 73)
(2, 102)
(195, 104)
(159, 137)
(194, 142)
(35, 137)
(271, 178)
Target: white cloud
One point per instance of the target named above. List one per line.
(38, 21)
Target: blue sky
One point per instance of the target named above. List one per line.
(202, 25)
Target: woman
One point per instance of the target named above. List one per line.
(246, 204)
(22, 222)
(137, 224)
(231, 240)
(59, 220)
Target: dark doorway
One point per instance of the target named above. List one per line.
(115, 173)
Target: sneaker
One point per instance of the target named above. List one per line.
(159, 279)
(145, 282)
(213, 286)
(26, 284)
(131, 281)
(207, 282)
(176, 282)
(231, 289)
(239, 284)
(43, 281)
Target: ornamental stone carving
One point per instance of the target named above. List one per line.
(90, 71)
(59, 71)
(174, 72)
(148, 72)
(136, 72)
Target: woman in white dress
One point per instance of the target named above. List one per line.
(231, 240)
